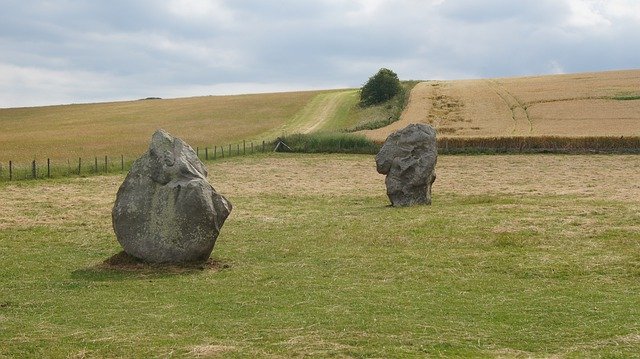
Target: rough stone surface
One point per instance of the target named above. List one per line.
(408, 158)
(165, 210)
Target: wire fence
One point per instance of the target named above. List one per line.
(96, 165)
(335, 143)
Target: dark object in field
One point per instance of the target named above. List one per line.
(281, 146)
(408, 158)
(165, 210)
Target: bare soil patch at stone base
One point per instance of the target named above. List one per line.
(122, 261)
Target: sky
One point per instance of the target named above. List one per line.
(75, 51)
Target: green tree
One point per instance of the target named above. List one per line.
(381, 87)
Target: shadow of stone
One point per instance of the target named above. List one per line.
(122, 266)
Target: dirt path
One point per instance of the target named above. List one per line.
(325, 112)
(313, 117)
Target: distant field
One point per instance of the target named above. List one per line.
(576, 105)
(69, 131)
(519, 256)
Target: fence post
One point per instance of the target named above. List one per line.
(122, 162)
(244, 147)
(262, 146)
(106, 164)
(222, 150)
(79, 165)
(251, 147)
(10, 170)
(238, 151)
(215, 152)
(33, 169)
(206, 153)
(48, 168)
(96, 164)
(198, 152)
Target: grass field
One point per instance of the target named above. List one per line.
(124, 128)
(588, 104)
(519, 256)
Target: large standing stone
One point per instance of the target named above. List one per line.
(165, 210)
(408, 158)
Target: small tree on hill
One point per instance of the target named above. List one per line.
(381, 87)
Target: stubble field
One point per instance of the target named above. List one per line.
(574, 105)
(519, 256)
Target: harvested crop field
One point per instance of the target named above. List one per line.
(588, 104)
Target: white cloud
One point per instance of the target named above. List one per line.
(623, 9)
(213, 11)
(587, 13)
(556, 68)
(31, 86)
(95, 51)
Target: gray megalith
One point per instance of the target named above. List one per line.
(165, 210)
(408, 158)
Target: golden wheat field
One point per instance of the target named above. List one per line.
(69, 131)
(576, 105)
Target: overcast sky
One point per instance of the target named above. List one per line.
(74, 51)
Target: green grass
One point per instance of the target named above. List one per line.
(329, 142)
(373, 117)
(627, 96)
(327, 273)
(342, 117)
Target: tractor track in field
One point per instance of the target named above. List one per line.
(519, 111)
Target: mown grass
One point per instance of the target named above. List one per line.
(333, 142)
(329, 271)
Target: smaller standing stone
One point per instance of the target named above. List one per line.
(408, 158)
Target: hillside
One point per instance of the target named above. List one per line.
(118, 128)
(575, 105)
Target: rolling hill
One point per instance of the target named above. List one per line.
(574, 105)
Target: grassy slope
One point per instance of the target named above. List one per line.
(325, 112)
(537, 264)
(62, 132)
